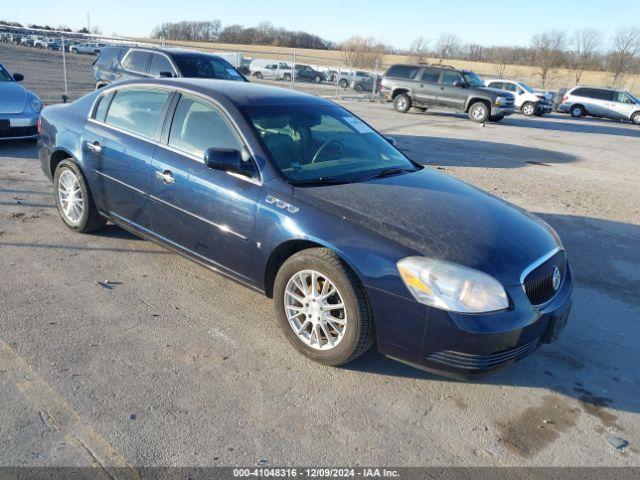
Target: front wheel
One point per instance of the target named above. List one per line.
(479, 112)
(258, 75)
(322, 308)
(343, 83)
(528, 109)
(635, 118)
(286, 77)
(402, 103)
(317, 79)
(73, 199)
(358, 88)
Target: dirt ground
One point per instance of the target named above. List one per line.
(170, 364)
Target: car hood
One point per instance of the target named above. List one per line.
(13, 97)
(440, 217)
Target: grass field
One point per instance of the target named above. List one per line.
(559, 78)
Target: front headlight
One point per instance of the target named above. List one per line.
(452, 287)
(35, 104)
(501, 100)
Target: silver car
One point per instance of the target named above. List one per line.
(601, 102)
(19, 108)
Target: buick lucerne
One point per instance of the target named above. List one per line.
(296, 197)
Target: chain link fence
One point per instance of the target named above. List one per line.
(57, 63)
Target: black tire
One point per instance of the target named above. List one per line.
(359, 333)
(286, 77)
(577, 111)
(258, 75)
(479, 112)
(635, 118)
(90, 220)
(317, 79)
(539, 113)
(358, 88)
(343, 83)
(528, 109)
(496, 118)
(402, 103)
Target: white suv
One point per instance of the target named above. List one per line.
(601, 102)
(527, 101)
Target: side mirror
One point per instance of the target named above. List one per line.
(226, 159)
(458, 84)
(392, 141)
(165, 75)
(18, 77)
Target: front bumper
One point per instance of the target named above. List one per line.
(467, 346)
(502, 111)
(18, 126)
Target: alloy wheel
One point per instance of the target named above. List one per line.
(315, 310)
(70, 197)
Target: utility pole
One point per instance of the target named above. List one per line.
(88, 22)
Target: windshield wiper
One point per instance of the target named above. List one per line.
(388, 172)
(319, 181)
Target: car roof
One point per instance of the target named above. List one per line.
(598, 88)
(238, 93)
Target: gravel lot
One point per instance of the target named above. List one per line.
(170, 364)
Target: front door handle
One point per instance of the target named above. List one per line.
(166, 177)
(94, 147)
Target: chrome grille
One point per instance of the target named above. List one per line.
(538, 284)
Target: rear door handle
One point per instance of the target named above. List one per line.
(166, 177)
(94, 147)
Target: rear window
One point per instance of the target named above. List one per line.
(403, 71)
(137, 111)
(108, 55)
(136, 61)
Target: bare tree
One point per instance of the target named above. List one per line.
(363, 52)
(548, 52)
(447, 46)
(420, 49)
(586, 43)
(625, 46)
(502, 57)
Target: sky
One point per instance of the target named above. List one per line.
(396, 22)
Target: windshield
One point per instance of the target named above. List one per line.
(205, 66)
(4, 75)
(526, 87)
(633, 97)
(472, 79)
(323, 143)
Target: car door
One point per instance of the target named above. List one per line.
(209, 213)
(426, 87)
(450, 96)
(136, 63)
(596, 101)
(622, 105)
(119, 142)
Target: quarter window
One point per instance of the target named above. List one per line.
(160, 63)
(103, 106)
(198, 126)
(137, 111)
(136, 61)
(403, 71)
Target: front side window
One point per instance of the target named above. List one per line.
(137, 111)
(472, 79)
(511, 87)
(136, 61)
(159, 64)
(311, 144)
(197, 126)
(622, 97)
(4, 75)
(206, 66)
(449, 78)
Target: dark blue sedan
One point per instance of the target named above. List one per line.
(296, 197)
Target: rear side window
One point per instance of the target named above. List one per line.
(430, 75)
(137, 111)
(160, 63)
(136, 61)
(594, 93)
(103, 106)
(197, 126)
(511, 87)
(403, 71)
(108, 55)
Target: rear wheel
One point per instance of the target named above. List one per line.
(577, 111)
(343, 83)
(286, 77)
(317, 79)
(322, 308)
(73, 199)
(635, 118)
(258, 75)
(528, 109)
(402, 103)
(479, 112)
(358, 88)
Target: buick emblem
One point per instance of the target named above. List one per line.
(556, 279)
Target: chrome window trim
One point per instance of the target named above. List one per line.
(177, 89)
(222, 228)
(537, 263)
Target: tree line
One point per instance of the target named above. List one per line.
(264, 33)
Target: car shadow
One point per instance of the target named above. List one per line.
(577, 125)
(24, 149)
(595, 359)
(458, 152)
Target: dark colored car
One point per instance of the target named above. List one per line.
(367, 84)
(296, 197)
(308, 74)
(443, 87)
(122, 62)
